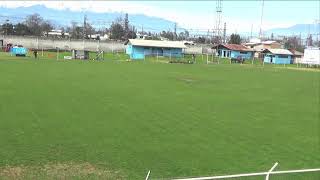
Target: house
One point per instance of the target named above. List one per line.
(138, 49)
(277, 56)
(233, 51)
(311, 56)
(258, 47)
(57, 33)
(296, 56)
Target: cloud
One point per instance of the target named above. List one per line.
(191, 19)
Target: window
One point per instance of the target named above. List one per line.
(243, 52)
(282, 56)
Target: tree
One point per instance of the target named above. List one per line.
(7, 28)
(34, 22)
(89, 30)
(309, 40)
(126, 24)
(235, 39)
(76, 31)
(21, 29)
(46, 27)
(169, 35)
(272, 37)
(293, 43)
(117, 31)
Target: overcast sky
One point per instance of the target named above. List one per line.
(239, 15)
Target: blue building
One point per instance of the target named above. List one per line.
(233, 51)
(277, 56)
(138, 49)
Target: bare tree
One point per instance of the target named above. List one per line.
(34, 22)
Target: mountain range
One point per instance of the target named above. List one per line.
(102, 20)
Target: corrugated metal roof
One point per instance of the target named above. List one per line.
(268, 42)
(235, 47)
(156, 43)
(279, 51)
(295, 52)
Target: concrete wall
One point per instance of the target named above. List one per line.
(64, 44)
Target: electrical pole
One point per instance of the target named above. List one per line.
(224, 32)
(175, 31)
(260, 32)
(218, 19)
(84, 26)
(251, 31)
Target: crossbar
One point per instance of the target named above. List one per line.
(251, 174)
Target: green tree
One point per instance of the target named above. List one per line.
(46, 27)
(7, 28)
(21, 29)
(235, 39)
(117, 31)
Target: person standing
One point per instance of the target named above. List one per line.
(35, 53)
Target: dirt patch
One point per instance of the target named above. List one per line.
(59, 171)
(301, 69)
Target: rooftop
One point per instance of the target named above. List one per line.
(235, 47)
(278, 51)
(156, 43)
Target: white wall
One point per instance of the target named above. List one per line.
(64, 44)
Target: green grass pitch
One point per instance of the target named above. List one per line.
(177, 120)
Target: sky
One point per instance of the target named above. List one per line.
(240, 16)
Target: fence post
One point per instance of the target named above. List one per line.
(268, 173)
(57, 53)
(37, 43)
(157, 56)
(207, 58)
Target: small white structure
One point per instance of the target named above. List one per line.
(311, 56)
(58, 33)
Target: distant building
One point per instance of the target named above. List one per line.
(58, 33)
(311, 56)
(141, 36)
(233, 51)
(296, 56)
(277, 56)
(258, 47)
(138, 49)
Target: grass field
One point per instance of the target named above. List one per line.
(118, 119)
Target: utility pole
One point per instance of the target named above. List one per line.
(251, 31)
(142, 30)
(175, 31)
(84, 26)
(224, 32)
(260, 32)
(218, 19)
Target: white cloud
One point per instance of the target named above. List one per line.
(184, 18)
